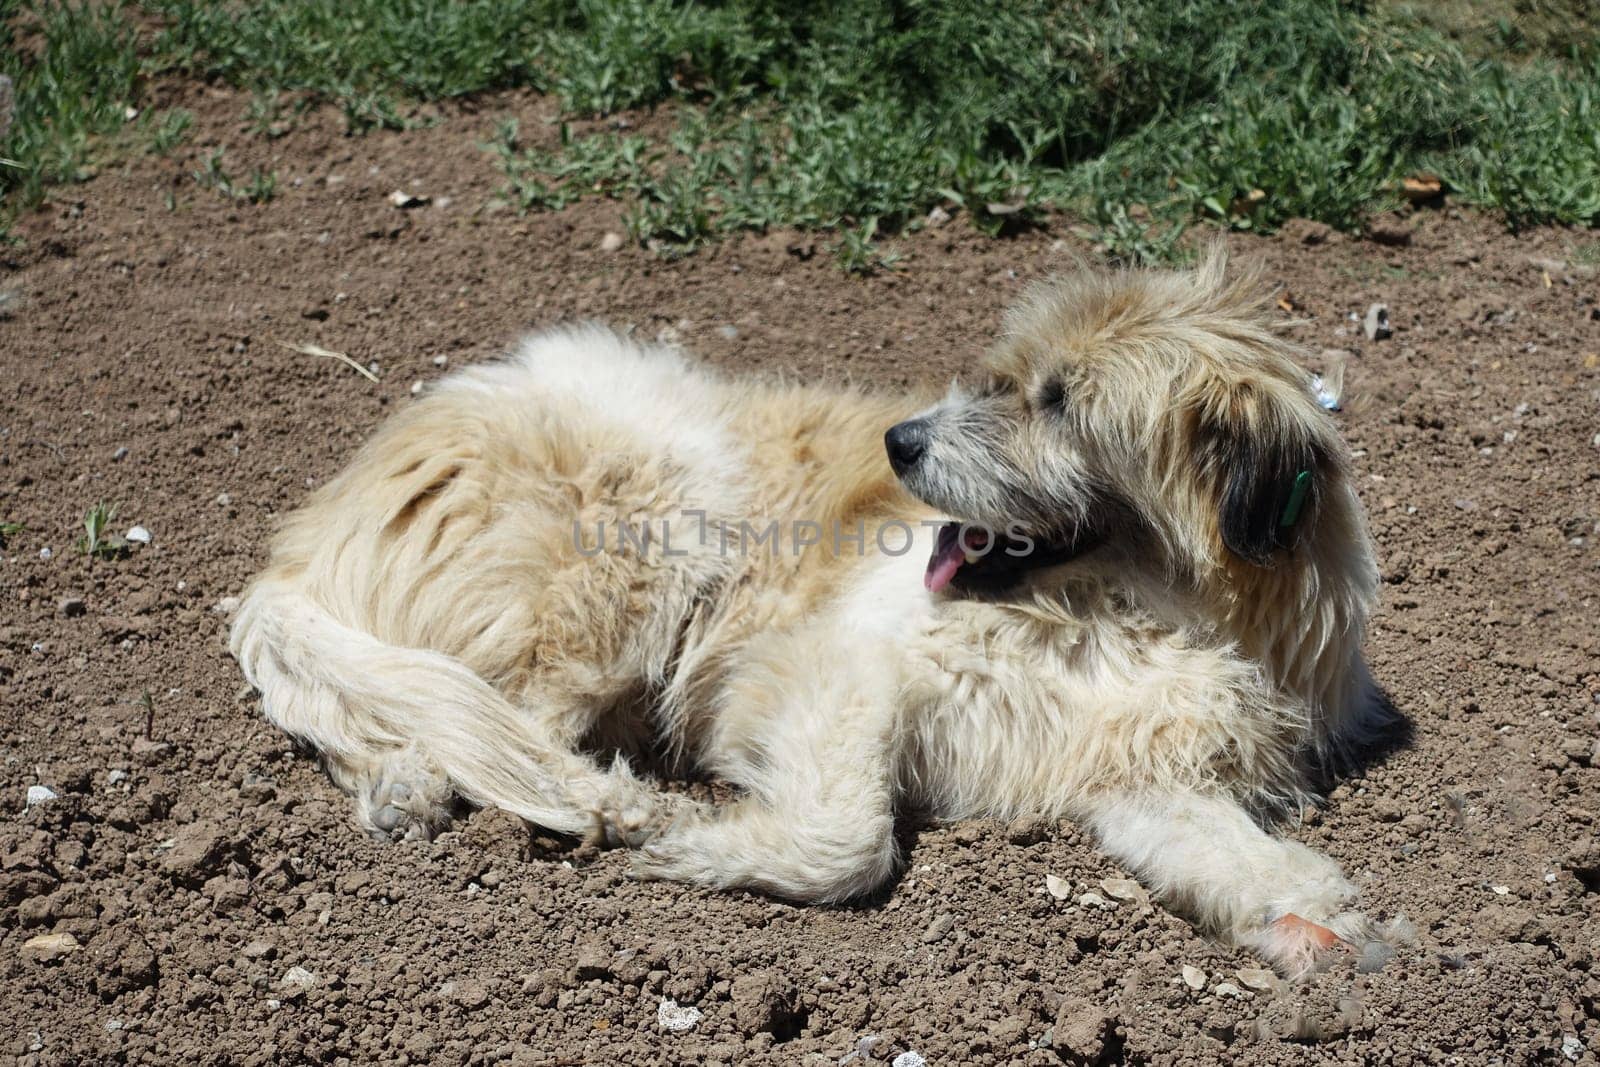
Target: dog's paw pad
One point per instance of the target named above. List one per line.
(631, 825)
(1298, 947)
(631, 817)
(388, 819)
(395, 811)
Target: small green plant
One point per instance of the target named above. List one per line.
(8, 530)
(261, 186)
(98, 540)
(170, 131)
(1122, 238)
(859, 255)
(147, 702)
(1587, 253)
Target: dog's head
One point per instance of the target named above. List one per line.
(1157, 415)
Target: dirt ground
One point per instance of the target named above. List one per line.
(225, 909)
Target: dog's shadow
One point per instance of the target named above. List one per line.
(1390, 731)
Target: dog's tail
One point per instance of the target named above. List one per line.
(365, 704)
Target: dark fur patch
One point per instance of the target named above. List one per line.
(1257, 479)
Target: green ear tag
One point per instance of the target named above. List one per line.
(1297, 499)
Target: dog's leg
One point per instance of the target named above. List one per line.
(809, 737)
(820, 828)
(1206, 856)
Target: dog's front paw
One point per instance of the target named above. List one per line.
(1298, 947)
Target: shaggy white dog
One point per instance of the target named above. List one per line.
(1123, 580)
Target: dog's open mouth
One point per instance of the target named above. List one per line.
(968, 556)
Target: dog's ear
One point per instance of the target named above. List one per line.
(1269, 494)
(1267, 477)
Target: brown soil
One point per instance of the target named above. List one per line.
(226, 909)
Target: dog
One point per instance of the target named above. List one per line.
(1122, 579)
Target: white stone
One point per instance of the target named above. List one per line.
(676, 1017)
(138, 535)
(40, 794)
(1123, 889)
(1194, 977)
(1256, 978)
(296, 980)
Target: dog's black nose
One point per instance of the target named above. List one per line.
(906, 442)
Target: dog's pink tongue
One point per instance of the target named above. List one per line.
(947, 558)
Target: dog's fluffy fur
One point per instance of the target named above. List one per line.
(1170, 677)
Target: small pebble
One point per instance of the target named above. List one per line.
(40, 794)
(224, 500)
(1228, 989)
(120, 454)
(936, 931)
(47, 948)
(45, 553)
(1194, 977)
(296, 980)
(1059, 888)
(909, 1059)
(117, 775)
(1376, 324)
(729, 333)
(138, 535)
(1325, 395)
(1123, 889)
(1093, 900)
(440, 361)
(611, 242)
(416, 388)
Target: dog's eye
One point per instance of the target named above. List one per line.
(1052, 396)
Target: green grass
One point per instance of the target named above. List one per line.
(1139, 117)
(8, 531)
(68, 98)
